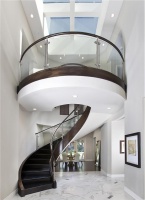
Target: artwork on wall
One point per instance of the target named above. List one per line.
(122, 146)
(132, 150)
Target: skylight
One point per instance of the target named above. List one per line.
(58, 24)
(88, 1)
(55, 1)
(86, 24)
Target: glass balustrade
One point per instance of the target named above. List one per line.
(63, 48)
(52, 133)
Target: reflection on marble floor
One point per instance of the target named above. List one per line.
(82, 186)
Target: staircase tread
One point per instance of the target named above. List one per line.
(38, 159)
(36, 178)
(37, 153)
(38, 184)
(34, 164)
(36, 170)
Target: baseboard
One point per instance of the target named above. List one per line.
(116, 175)
(112, 175)
(103, 172)
(12, 196)
(132, 194)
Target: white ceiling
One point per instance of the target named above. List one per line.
(102, 11)
(104, 97)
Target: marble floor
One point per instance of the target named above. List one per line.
(82, 186)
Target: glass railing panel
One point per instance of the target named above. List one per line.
(110, 60)
(47, 135)
(33, 60)
(71, 48)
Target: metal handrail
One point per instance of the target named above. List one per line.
(54, 125)
(72, 33)
(61, 124)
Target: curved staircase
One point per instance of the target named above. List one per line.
(36, 172)
(99, 85)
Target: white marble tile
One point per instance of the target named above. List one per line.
(82, 186)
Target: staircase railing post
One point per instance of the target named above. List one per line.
(97, 42)
(46, 64)
(123, 71)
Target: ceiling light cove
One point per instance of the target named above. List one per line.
(75, 96)
(112, 15)
(32, 16)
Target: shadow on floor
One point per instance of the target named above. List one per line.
(81, 166)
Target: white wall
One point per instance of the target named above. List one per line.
(97, 134)
(112, 162)
(89, 147)
(106, 148)
(117, 159)
(16, 143)
(27, 130)
(131, 24)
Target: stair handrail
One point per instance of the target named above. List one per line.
(53, 159)
(71, 33)
(56, 125)
(61, 124)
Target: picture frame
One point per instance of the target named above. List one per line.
(133, 150)
(122, 146)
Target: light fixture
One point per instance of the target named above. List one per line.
(40, 46)
(103, 44)
(60, 58)
(34, 109)
(109, 108)
(82, 57)
(112, 15)
(32, 16)
(75, 96)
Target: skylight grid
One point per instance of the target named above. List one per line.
(88, 1)
(56, 1)
(58, 24)
(86, 24)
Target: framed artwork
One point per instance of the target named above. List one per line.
(122, 146)
(133, 150)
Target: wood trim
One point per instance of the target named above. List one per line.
(71, 70)
(64, 109)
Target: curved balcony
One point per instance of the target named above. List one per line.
(72, 47)
(67, 63)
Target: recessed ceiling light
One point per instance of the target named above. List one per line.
(75, 96)
(32, 16)
(112, 15)
(60, 58)
(34, 109)
(82, 57)
(40, 46)
(109, 108)
(103, 44)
